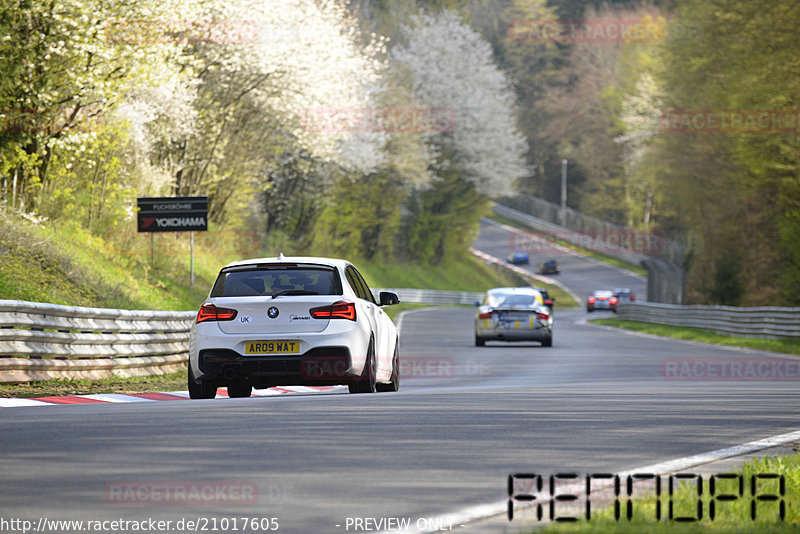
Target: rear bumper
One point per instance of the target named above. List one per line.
(513, 334)
(321, 366)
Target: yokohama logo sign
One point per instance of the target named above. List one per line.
(179, 223)
(172, 214)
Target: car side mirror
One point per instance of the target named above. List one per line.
(388, 299)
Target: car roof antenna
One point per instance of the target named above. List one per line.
(281, 256)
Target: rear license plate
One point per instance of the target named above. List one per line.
(272, 347)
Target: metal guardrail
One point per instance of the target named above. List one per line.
(41, 341)
(433, 296)
(763, 322)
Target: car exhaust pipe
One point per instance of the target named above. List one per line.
(228, 372)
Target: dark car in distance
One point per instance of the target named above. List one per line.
(548, 267)
(624, 294)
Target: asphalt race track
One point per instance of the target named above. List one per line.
(582, 274)
(463, 420)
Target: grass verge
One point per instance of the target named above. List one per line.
(140, 384)
(730, 516)
(596, 255)
(468, 274)
(65, 264)
(562, 300)
(788, 346)
(394, 311)
(465, 274)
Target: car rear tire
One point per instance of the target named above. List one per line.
(590, 310)
(366, 382)
(548, 342)
(201, 389)
(394, 382)
(479, 341)
(239, 390)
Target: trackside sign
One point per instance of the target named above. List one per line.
(172, 214)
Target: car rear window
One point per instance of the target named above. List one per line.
(268, 280)
(499, 301)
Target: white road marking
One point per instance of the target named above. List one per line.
(400, 316)
(13, 403)
(115, 397)
(119, 398)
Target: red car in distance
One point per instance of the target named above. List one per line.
(602, 300)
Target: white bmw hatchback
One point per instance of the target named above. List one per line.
(292, 321)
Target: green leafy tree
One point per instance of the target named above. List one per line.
(737, 189)
(63, 72)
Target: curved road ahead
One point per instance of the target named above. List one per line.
(464, 419)
(582, 274)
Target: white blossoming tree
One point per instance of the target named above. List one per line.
(262, 68)
(481, 153)
(452, 68)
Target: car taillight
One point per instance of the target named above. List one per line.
(633, 297)
(485, 315)
(209, 312)
(592, 299)
(338, 310)
(542, 316)
(548, 302)
(612, 300)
